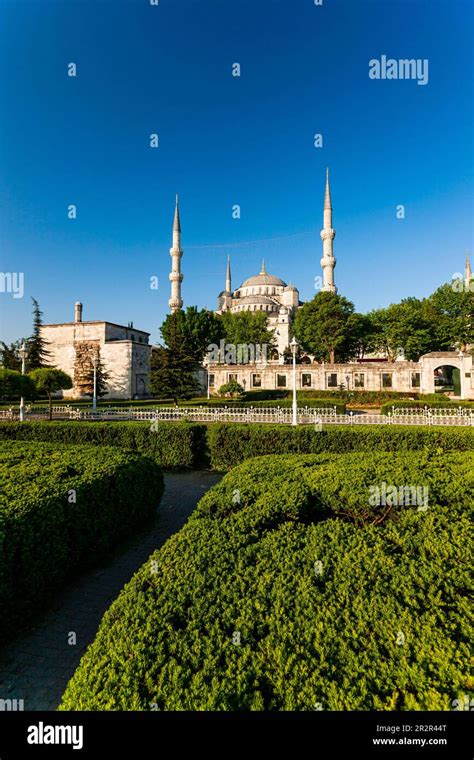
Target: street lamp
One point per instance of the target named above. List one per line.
(23, 355)
(294, 345)
(94, 397)
(461, 373)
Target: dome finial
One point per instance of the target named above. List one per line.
(262, 271)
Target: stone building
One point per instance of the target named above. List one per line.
(447, 371)
(267, 293)
(123, 351)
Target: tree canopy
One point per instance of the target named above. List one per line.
(50, 380)
(197, 329)
(322, 325)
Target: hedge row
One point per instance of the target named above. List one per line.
(63, 508)
(285, 403)
(230, 444)
(184, 445)
(172, 445)
(276, 596)
(438, 404)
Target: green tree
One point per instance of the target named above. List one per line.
(198, 329)
(13, 385)
(50, 380)
(322, 325)
(450, 311)
(173, 371)
(404, 326)
(250, 327)
(9, 355)
(361, 337)
(232, 388)
(38, 354)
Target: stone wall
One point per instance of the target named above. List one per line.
(403, 376)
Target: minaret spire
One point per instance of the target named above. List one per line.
(228, 280)
(176, 277)
(468, 271)
(176, 223)
(328, 262)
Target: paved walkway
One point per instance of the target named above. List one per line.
(37, 667)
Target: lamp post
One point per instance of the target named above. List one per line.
(294, 345)
(94, 397)
(23, 355)
(461, 373)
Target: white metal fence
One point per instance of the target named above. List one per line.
(283, 415)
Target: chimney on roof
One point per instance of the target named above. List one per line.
(78, 311)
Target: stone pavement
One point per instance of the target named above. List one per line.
(38, 665)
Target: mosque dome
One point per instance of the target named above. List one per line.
(263, 278)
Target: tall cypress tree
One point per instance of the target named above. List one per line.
(38, 353)
(173, 372)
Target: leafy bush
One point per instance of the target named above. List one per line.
(232, 388)
(63, 508)
(272, 597)
(265, 395)
(230, 444)
(171, 444)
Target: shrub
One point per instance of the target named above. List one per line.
(274, 600)
(177, 445)
(232, 388)
(47, 530)
(230, 444)
(13, 385)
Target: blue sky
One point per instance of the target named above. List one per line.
(223, 141)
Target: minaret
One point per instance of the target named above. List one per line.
(328, 262)
(468, 272)
(176, 302)
(228, 281)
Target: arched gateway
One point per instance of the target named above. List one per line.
(449, 372)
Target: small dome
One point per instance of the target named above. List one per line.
(290, 288)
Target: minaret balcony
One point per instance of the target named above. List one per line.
(328, 261)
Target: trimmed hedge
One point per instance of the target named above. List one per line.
(360, 396)
(274, 597)
(179, 445)
(440, 404)
(47, 530)
(182, 445)
(230, 444)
